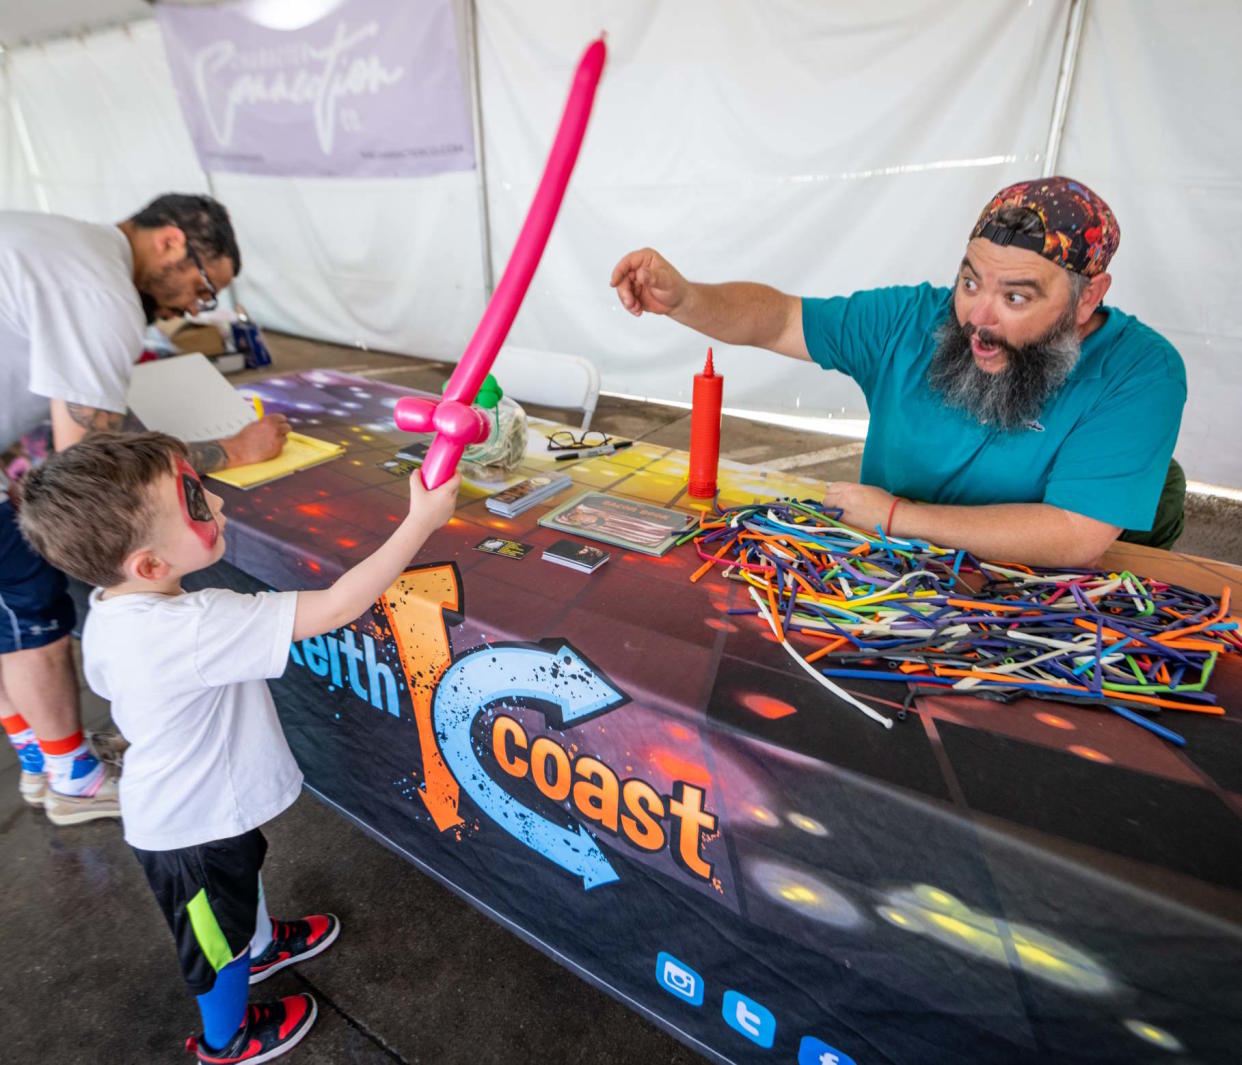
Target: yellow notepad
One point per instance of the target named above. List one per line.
(299, 453)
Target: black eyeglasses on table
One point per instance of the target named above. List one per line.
(567, 440)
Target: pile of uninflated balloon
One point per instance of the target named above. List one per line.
(878, 607)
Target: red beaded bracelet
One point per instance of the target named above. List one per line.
(888, 525)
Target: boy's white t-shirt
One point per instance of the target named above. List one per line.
(186, 678)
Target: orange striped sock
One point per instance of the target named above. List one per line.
(13, 724)
(22, 736)
(70, 766)
(66, 745)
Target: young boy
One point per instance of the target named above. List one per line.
(185, 673)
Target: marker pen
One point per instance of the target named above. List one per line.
(592, 452)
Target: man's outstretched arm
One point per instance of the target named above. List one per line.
(737, 312)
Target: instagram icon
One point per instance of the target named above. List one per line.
(679, 980)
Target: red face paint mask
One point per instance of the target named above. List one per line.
(194, 506)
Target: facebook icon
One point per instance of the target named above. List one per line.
(812, 1051)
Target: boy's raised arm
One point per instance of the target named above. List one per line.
(323, 611)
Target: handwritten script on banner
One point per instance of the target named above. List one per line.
(368, 88)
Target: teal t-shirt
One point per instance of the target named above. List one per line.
(1100, 447)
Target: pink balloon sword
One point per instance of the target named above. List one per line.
(455, 422)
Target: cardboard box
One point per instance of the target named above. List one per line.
(202, 338)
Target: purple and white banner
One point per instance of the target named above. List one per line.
(321, 88)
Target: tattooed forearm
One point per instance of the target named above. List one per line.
(207, 456)
(91, 418)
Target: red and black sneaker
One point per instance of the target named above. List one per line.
(295, 941)
(271, 1029)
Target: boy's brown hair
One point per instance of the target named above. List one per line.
(88, 507)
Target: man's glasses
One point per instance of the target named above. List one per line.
(200, 304)
(564, 440)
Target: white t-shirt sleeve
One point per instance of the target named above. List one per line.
(243, 637)
(95, 675)
(83, 347)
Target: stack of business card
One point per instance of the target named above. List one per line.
(585, 557)
(525, 494)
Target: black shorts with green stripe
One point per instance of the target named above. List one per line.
(210, 898)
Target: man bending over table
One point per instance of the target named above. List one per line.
(1013, 415)
(74, 302)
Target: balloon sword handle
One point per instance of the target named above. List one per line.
(457, 425)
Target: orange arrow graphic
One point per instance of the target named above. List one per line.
(420, 605)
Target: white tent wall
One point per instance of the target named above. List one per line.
(394, 265)
(819, 147)
(1155, 126)
(17, 190)
(104, 128)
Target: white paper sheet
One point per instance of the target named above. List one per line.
(187, 397)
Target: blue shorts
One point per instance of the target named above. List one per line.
(35, 608)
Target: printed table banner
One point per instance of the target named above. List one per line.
(625, 769)
(367, 89)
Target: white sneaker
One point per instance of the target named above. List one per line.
(73, 809)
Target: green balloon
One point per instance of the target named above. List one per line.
(490, 393)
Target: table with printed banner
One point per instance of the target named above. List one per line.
(649, 788)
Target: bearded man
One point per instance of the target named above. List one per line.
(1013, 415)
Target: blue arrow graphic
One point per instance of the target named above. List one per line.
(489, 675)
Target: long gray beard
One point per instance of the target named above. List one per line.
(1014, 397)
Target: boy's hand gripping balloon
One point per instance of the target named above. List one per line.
(454, 421)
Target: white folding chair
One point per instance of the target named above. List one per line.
(549, 378)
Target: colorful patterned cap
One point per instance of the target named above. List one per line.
(1080, 232)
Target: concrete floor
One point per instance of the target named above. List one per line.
(89, 972)
(90, 975)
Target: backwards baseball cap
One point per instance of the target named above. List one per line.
(1080, 232)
